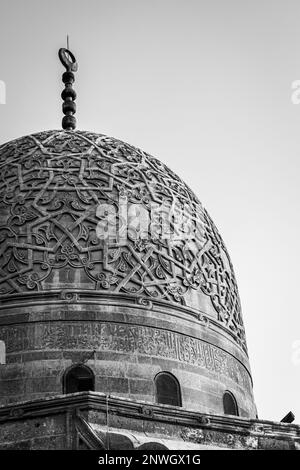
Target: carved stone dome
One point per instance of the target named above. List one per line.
(66, 292)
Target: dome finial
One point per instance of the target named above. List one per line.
(68, 94)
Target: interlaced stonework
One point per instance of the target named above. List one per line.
(51, 187)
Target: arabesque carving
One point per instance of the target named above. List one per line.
(51, 184)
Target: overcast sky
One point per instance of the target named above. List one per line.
(205, 86)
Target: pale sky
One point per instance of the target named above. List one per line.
(205, 86)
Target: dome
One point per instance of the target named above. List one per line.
(109, 259)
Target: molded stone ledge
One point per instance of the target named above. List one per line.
(96, 401)
(77, 297)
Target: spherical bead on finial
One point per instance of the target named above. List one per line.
(68, 94)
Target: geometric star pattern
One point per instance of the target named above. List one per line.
(52, 185)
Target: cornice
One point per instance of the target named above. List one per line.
(127, 408)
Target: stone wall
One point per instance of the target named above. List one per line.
(125, 348)
(91, 420)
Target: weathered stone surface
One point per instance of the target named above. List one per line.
(131, 339)
(51, 186)
(126, 310)
(118, 353)
(94, 421)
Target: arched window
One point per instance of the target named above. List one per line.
(79, 378)
(229, 404)
(167, 389)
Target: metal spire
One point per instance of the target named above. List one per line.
(68, 94)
